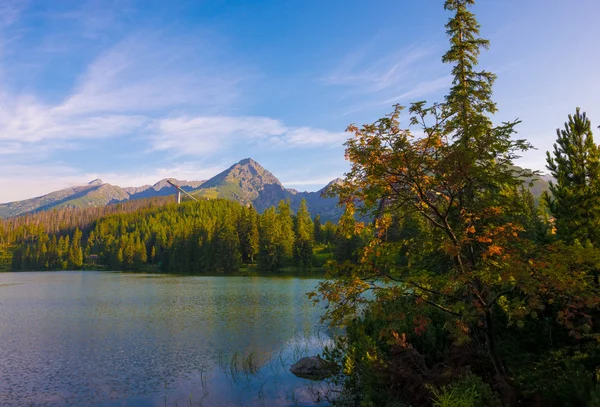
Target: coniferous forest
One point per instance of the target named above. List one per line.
(454, 285)
(194, 237)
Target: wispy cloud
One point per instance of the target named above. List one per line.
(419, 90)
(311, 182)
(358, 70)
(413, 94)
(10, 11)
(369, 83)
(121, 92)
(147, 72)
(202, 135)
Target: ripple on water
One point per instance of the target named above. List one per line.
(108, 339)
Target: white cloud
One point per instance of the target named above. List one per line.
(310, 182)
(27, 121)
(420, 90)
(147, 72)
(202, 135)
(308, 136)
(23, 181)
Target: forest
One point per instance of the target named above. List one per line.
(158, 235)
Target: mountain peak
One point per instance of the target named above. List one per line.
(96, 182)
(248, 182)
(247, 161)
(336, 181)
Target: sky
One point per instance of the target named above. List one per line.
(132, 92)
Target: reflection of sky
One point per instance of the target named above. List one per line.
(123, 339)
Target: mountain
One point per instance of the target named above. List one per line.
(250, 184)
(161, 188)
(317, 204)
(96, 193)
(246, 182)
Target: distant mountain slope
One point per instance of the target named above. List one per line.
(79, 196)
(161, 188)
(317, 204)
(246, 182)
(96, 193)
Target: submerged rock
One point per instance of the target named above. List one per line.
(313, 368)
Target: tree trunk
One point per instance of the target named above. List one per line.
(510, 397)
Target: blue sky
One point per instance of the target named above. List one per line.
(136, 91)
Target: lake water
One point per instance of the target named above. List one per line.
(118, 339)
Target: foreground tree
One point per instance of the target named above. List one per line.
(471, 260)
(575, 195)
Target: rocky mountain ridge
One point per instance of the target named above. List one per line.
(246, 182)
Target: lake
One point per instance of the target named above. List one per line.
(120, 339)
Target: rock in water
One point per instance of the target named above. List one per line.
(313, 368)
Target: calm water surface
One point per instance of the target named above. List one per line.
(115, 339)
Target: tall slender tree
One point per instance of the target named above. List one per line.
(574, 201)
(303, 243)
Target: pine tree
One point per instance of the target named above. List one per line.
(575, 194)
(318, 229)
(75, 252)
(269, 256)
(303, 243)
(228, 254)
(286, 231)
(249, 238)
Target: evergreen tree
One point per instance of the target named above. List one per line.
(285, 223)
(318, 229)
(228, 253)
(249, 236)
(346, 241)
(75, 251)
(575, 195)
(269, 255)
(304, 230)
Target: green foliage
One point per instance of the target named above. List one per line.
(565, 377)
(304, 231)
(468, 391)
(575, 196)
(194, 237)
(458, 270)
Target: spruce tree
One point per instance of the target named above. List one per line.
(318, 229)
(285, 223)
(303, 244)
(575, 194)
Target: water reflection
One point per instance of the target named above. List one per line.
(113, 339)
